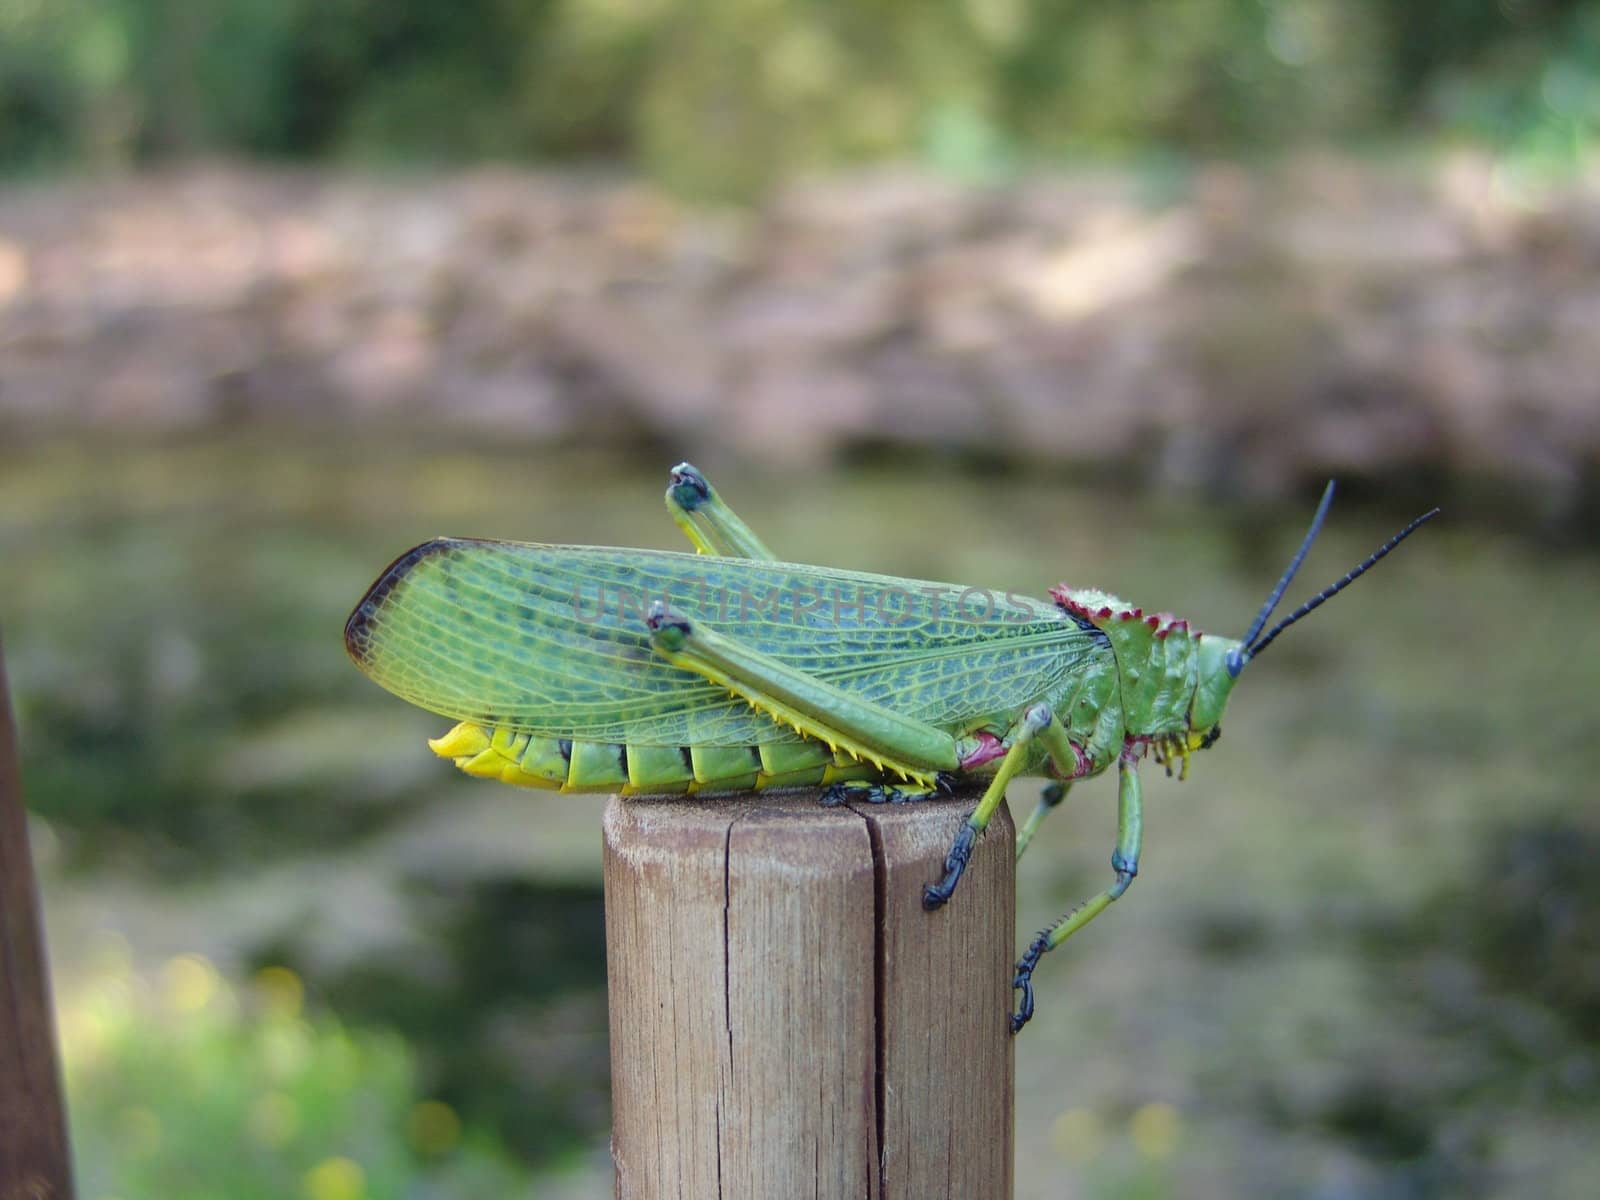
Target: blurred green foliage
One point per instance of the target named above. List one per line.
(158, 706)
(184, 1089)
(513, 961)
(722, 96)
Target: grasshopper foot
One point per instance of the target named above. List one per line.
(936, 895)
(1022, 981)
(871, 793)
(836, 794)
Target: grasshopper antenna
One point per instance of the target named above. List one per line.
(1246, 650)
(1334, 589)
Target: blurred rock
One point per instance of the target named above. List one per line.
(1253, 333)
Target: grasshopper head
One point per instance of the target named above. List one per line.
(1223, 660)
(1214, 685)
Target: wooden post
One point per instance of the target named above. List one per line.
(34, 1161)
(786, 1020)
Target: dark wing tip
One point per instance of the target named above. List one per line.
(358, 627)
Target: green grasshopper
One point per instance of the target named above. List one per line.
(591, 669)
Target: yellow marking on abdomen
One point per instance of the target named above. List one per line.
(560, 764)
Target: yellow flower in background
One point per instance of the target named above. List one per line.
(336, 1179)
(189, 982)
(1156, 1130)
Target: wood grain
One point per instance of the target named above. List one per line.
(34, 1161)
(786, 1020)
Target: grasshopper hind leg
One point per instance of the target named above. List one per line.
(893, 743)
(706, 519)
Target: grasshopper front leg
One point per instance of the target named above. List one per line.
(815, 708)
(1038, 722)
(1124, 861)
(707, 521)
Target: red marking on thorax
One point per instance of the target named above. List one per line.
(1063, 596)
(1161, 624)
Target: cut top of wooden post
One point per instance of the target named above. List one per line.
(786, 1019)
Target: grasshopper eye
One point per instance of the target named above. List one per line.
(1235, 662)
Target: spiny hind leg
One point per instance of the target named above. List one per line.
(1038, 722)
(707, 521)
(1124, 862)
(894, 743)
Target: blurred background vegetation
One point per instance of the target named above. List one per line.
(286, 287)
(725, 97)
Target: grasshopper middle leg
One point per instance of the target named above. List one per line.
(1049, 800)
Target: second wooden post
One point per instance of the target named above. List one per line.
(34, 1159)
(786, 1020)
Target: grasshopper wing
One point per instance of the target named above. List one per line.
(551, 640)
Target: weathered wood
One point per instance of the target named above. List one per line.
(34, 1162)
(786, 1020)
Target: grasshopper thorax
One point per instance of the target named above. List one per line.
(1174, 680)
